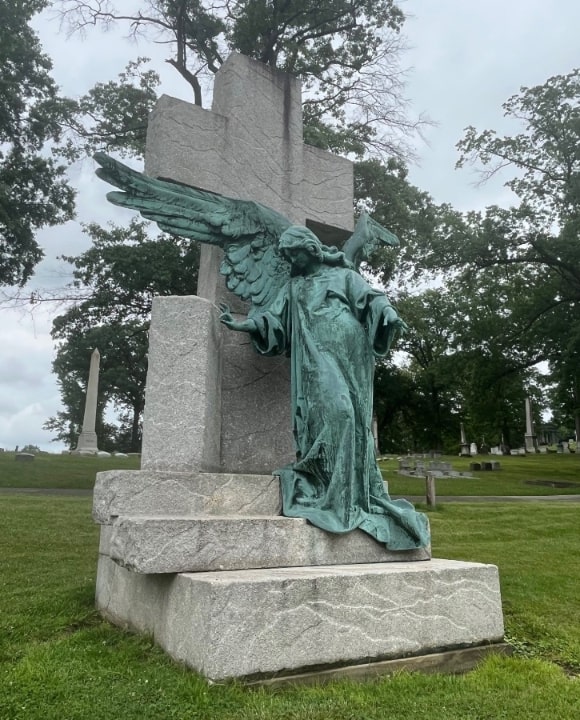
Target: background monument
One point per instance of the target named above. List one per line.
(193, 549)
(531, 441)
(87, 442)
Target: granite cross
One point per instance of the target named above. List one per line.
(249, 146)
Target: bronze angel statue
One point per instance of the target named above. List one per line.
(310, 302)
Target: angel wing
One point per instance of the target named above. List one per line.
(367, 237)
(247, 231)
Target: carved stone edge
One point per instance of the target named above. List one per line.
(455, 662)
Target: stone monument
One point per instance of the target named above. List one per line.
(193, 549)
(531, 441)
(87, 442)
(465, 448)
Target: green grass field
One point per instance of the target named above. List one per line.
(58, 471)
(59, 660)
(513, 478)
(70, 471)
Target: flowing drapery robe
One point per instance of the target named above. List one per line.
(333, 324)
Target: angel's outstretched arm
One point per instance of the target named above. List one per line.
(392, 317)
(227, 319)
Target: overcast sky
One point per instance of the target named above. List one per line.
(466, 57)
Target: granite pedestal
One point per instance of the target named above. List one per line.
(193, 548)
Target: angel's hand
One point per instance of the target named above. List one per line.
(402, 327)
(227, 319)
(392, 318)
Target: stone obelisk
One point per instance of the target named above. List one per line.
(465, 447)
(531, 440)
(87, 444)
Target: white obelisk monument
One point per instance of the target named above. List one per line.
(87, 443)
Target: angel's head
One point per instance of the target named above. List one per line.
(301, 248)
(306, 253)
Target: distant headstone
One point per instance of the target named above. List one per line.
(473, 449)
(24, 457)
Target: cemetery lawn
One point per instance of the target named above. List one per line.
(59, 471)
(59, 660)
(77, 472)
(560, 475)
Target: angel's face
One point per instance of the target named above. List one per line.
(301, 260)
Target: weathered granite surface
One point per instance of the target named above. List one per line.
(249, 146)
(143, 492)
(168, 545)
(182, 420)
(249, 622)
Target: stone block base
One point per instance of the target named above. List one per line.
(260, 623)
(154, 545)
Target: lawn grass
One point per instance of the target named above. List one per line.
(73, 471)
(59, 471)
(59, 660)
(511, 479)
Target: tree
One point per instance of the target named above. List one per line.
(119, 276)
(347, 53)
(539, 239)
(113, 116)
(123, 369)
(33, 190)
(423, 227)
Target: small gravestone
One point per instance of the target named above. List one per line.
(24, 457)
(475, 466)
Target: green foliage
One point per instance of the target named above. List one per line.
(33, 190)
(539, 240)
(346, 52)
(59, 659)
(423, 227)
(30, 449)
(113, 116)
(118, 277)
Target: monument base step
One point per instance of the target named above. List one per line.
(252, 624)
(161, 544)
(448, 662)
(154, 492)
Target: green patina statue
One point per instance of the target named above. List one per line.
(310, 302)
